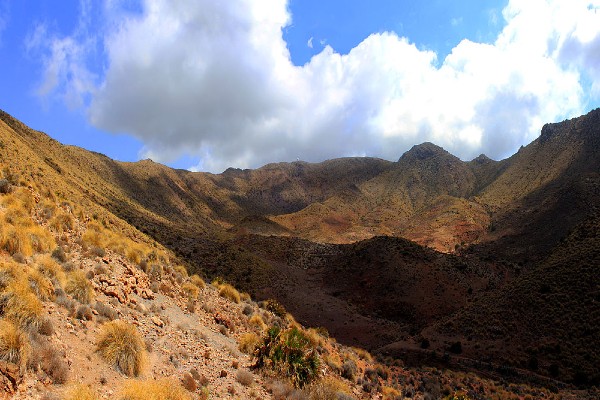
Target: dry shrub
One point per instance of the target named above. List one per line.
(244, 377)
(84, 312)
(189, 382)
(329, 389)
(41, 241)
(121, 345)
(14, 345)
(52, 362)
(8, 273)
(62, 222)
(23, 307)
(257, 321)
(40, 285)
(229, 292)
(48, 267)
(134, 255)
(80, 392)
(196, 280)
(389, 393)
(163, 389)
(105, 311)
(315, 338)
(180, 269)
(155, 271)
(14, 240)
(248, 342)
(190, 290)
(363, 354)
(95, 235)
(79, 287)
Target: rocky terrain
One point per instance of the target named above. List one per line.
(475, 279)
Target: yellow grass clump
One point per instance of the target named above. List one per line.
(79, 287)
(196, 280)
(258, 322)
(80, 392)
(389, 393)
(121, 345)
(62, 222)
(9, 271)
(191, 291)
(14, 345)
(229, 292)
(181, 270)
(15, 240)
(48, 267)
(248, 342)
(40, 285)
(163, 389)
(41, 240)
(23, 307)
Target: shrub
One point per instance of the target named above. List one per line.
(248, 342)
(289, 353)
(40, 286)
(196, 280)
(244, 377)
(14, 345)
(59, 255)
(121, 345)
(80, 392)
(329, 389)
(62, 222)
(52, 363)
(190, 290)
(48, 267)
(79, 287)
(105, 310)
(163, 389)
(181, 270)
(23, 308)
(275, 307)
(349, 370)
(229, 292)
(257, 321)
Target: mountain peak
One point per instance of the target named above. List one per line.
(423, 151)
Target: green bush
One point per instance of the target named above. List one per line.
(289, 353)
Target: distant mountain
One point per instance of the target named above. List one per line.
(497, 255)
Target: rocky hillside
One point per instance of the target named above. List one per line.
(94, 251)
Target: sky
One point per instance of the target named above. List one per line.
(206, 85)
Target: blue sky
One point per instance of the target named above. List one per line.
(206, 85)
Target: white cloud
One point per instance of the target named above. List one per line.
(4, 17)
(215, 79)
(310, 43)
(64, 60)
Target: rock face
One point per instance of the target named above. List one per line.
(9, 377)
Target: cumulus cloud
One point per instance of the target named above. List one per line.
(64, 60)
(215, 79)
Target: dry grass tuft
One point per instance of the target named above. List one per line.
(229, 292)
(40, 285)
(80, 392)
(62, 222)
(257, 321)
(190, 290)
(14, 344)
(51, 269)
(244, 377)
(196, 280)
(121, 345)
(163, 389)
(248, 342)
(79, 287)
(23, 307)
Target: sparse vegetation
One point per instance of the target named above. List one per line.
(248, 342)
(80, 392)
(79, 287)
(121, 345)
(15, 346)
(229, 292)
(163, 389)
(289, 353)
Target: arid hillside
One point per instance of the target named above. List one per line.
(484, 267)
